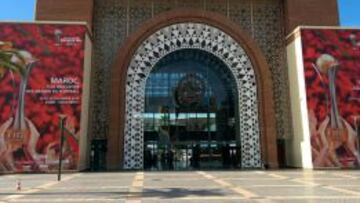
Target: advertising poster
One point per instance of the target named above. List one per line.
(332, 77)
(41, 79)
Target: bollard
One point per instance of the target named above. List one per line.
(18, 185)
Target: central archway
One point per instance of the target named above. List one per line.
(205, 31)
(191, 36)
(191, 118)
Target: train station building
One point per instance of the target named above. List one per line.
(200, 84)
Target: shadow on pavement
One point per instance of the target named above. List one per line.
(163, 193)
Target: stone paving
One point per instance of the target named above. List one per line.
(293, 186)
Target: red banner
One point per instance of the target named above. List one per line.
(332, 77)
(41, 78)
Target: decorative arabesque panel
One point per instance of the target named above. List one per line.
(109, 31)
(114, 20)
(267, 32)
(191, 36)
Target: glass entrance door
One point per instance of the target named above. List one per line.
(190, 114)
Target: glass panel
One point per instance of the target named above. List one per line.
(189, 119)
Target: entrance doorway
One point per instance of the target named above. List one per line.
(175, 32)
(191, 118)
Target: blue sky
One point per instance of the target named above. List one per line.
(23, 10)
(349, 12)
(17, 10)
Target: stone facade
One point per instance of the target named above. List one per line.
(114, 23)
(114, 20)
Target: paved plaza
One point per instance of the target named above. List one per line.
(192, 186)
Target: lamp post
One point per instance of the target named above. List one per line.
(62, 129)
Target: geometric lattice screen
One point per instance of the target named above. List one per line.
(191, 36)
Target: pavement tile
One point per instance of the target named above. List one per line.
(294, 191)
(295, 186)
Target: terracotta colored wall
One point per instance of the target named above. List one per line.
(65, 10)
(310, 12)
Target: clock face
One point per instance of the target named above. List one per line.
(190, 90)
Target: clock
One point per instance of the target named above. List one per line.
(190, 90)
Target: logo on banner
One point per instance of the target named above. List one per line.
(65, 40)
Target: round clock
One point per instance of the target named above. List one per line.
(190, 90)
